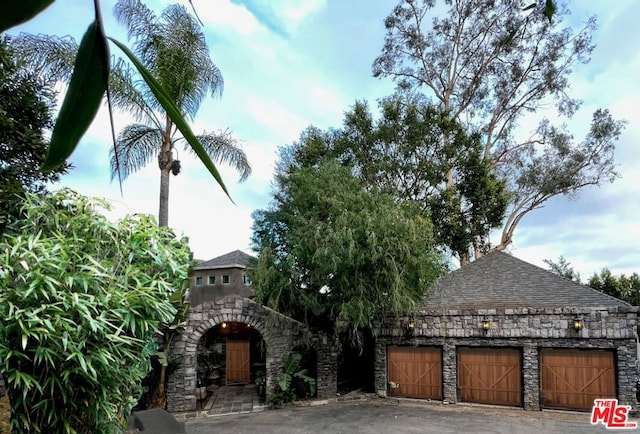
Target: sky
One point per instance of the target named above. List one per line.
(288, 64)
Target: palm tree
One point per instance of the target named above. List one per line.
(174, 50)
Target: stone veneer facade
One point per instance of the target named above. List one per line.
(281, 335)
(528, 329)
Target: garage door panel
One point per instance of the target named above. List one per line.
(416, 371)
(489, 376)
(574, 378)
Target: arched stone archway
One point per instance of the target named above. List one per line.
(280, 334)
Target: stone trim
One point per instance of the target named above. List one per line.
(608, 322)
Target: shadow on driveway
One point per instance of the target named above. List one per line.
(388, 415)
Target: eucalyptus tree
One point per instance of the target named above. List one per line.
(488, 63)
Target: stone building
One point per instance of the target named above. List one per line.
(238, 339)
(503, 331)
(220, 276)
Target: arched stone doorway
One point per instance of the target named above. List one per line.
(230, 353)
(279, 332)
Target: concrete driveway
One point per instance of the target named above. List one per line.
(386, 416)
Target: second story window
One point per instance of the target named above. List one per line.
(212, 280)
(198, 280)
(225, 278)
(247, 280)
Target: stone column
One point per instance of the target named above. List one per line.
(449, 372)
(531, 377)
(380, 367)
(627, 374)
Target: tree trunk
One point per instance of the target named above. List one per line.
(161, 392)
(163, 213)
(165, 162)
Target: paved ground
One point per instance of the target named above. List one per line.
(231, 399)
(384, 416)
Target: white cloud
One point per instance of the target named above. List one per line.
(276, 85)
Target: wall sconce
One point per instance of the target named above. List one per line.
(224, 325)
(578, 324)
(485, 324)
(409, 327)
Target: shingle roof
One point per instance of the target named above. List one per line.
(236, 258)
(499, 280)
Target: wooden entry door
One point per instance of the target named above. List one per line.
(415, 371)
(574, 378)
(490, 376)
(237, 361)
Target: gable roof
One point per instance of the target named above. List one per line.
(499, 280)
(235, 259)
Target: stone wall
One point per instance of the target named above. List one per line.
(327, 369)
(280, 333)
(526, 329)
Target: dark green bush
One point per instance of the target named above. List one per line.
(80, 299)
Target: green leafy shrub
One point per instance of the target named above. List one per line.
(284, 392)
(80, 299)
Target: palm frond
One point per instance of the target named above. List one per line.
(50, 56)
(138, 18)
(224, 148)
(136, 146)
(126, 93)
(186, 59)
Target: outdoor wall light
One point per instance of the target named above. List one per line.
(485, 324)
(409, 327)
(577, 324)
(224, 325)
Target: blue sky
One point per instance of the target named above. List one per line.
(288, 64)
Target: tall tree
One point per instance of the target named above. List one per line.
(174, 50)
(26, 105)
(624, 287)
(336, 255)
(487, 63)
(563, 268)
(409, 152)
(412, 151)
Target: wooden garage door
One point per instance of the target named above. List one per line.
(489, 376)
(417, 371)
(237, 361)
(574, 378)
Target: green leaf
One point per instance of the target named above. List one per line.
(16, 12)
(82, 101)
(292, 363)
(285, 382)
(549, 9)
(174, 113)
(162, 358)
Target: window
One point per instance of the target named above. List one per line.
(212, 280)
(247, 280)
(199, 280)
(225, 278)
